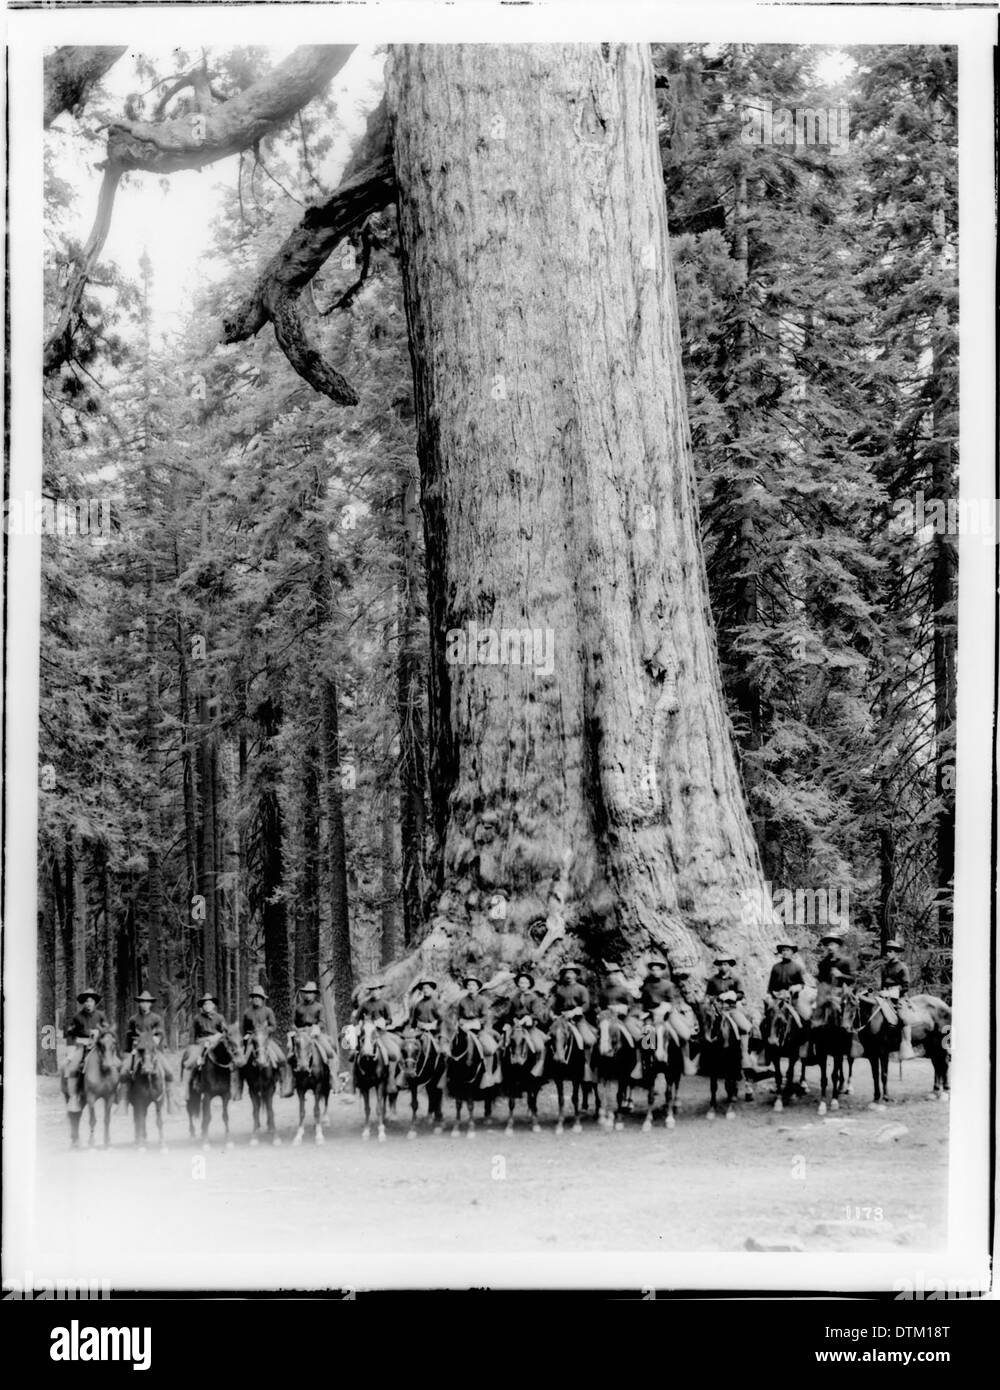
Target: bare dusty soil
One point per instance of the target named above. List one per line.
(857, 1181)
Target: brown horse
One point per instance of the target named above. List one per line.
(786, 1041)
(311, 1071)
(522, 1073)
(214, 1077)
(669, 1061)
(832, 1038)
(260, 1072)
(569, 1062)
(98, 1082)
(424, 1064)
(371, 1073)
(614, 1061)
(146, 1085)
(466, 1071)
(721, 1056)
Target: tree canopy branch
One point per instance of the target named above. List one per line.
(70, 72)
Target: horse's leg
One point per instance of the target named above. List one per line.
(873, 1062)
(380, 1101)
(577, 1084)
(560, 1100)
(301, 1092)
(366, 1097)
(455, 1131)
(411, 1133)
(255, 1105)
(713, 1087)
(159, 1124)
(225, 1118)
(511, 1102)
(269, 1102)
(821, 1109)
(107, 1120)
(74, 1128)
(782, 1089)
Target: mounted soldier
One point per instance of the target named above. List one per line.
(571, 1000)
(309, 1014)
(665, 1009)
(473, 1017)
(785, 983)
(425, 1012)
(895, 983)
(834, 971)
(82, 1031)
(259, 1019)
(374, 1008)
(725, 989)
(207, 1027)
(146, 1021)
(527, 1007)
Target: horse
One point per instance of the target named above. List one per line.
(671, 1066)
(613, 1060)
(214, 1077)
(786, 1041)
(569, 1061)
(371, 1073)
(98, 1082)
(832, 1037)
(260, 1073)
(930, 1028)
(721, 1053)
(424, 1064)
(521, 1075)
(466, 1070)
(145, 1085)
(880, 1033)
(311, 1072)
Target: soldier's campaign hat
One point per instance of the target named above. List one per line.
(837, 936)
(724, 959)
(570, 965)
(145, 997)
(524, 974)
(210, 997)
(258, 992)
(88, 994)
(786, 946)
(656, 960)
(681, 972)
(894, 945)
(310, 987)
(467, 978)
(420, 984)
(611, 965)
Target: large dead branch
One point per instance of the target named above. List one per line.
(202, 137)
(70, 72)
(368, 185)
(190, 142)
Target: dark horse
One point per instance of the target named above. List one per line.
(519, 1064)
(214, 1077)
(145, 1085)
(466, 1069)
(424, 1064)
(614, 1060)
(787, 1041)
(721, 1056)
(832, 1038)
(311, 1072)
(98, 1081)
(260, 1072)
(371, 1073)
(671, 1065)
(879, 1032)
(568, 1062)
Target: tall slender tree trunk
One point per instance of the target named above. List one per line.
(46, 969)
(206, 847)
(307, 922)
(338, 956)
(589, 772)
(412, 763)
(391, 935)
(271, 882)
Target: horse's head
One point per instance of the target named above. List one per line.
(609, 1034)
(414, 1046)
(519, 1049)
(107, 1050)
(302, 1049)
(560, 1039)
(147, 1053)
(368, 1039)
(257, 1050)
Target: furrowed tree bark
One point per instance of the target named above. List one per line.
(338, 959)
(593, 779)
(409, 686)
(307, 924)
(70, 72)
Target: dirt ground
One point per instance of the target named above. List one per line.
(855, 1181)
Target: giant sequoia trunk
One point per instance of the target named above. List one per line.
(587, 772)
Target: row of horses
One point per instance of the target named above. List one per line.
(855, 1023)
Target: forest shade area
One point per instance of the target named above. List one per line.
(240, 756)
